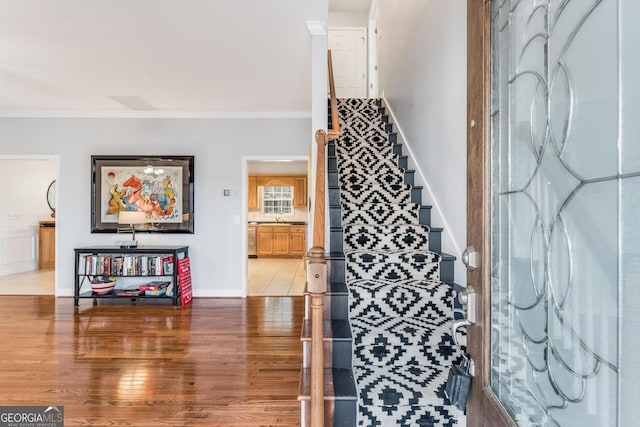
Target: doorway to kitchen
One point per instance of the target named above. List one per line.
(276, 212)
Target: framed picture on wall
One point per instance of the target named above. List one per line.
(159, 189)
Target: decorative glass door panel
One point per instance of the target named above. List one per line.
(565, 211)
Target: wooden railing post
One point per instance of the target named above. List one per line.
(317, 286)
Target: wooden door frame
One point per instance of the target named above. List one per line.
(484, 408)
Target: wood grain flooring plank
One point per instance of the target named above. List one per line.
(219, 362)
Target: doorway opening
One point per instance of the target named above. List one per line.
(276, 213)
(28, 242)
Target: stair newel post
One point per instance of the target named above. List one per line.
(317, 286)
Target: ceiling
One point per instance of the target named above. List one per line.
(84, 57)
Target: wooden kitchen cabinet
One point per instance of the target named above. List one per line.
(297, 239)
(265, 241)
(281, 241)
(299, 192)
(298, 182)
(46, 244)
(252, 193)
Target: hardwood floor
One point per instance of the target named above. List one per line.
(219, 362)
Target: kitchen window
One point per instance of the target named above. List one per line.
(277, 200)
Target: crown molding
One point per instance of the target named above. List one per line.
(72, 114)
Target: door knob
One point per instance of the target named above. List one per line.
(467, 298)
(470, 258)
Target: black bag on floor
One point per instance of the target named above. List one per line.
(459, 385)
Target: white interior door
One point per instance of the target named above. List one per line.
(349, 53)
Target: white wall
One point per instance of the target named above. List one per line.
(218, 146)
(348, 19)
(422, 63)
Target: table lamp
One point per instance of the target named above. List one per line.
(132, 218)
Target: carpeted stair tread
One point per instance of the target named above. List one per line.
(409, 298)
(405, 331)
(370, 161)
(364, 177)
(381, 165)
(401, 265)
(384, 354)
(350, 143)
(376, 194)
(386, 237)
(427, 416)
(380, 213)
(365, 150)
(412, 385)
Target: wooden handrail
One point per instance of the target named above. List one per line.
(317, 263)
(319, 205)
(317, 287)
(334, 132)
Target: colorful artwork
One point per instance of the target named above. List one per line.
(153, 190)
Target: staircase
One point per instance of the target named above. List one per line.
(390, 305)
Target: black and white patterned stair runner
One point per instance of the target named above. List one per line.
(400, 313)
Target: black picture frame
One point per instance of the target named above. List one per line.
(170, 203)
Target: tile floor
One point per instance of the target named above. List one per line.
(275, 276)
(37, 282)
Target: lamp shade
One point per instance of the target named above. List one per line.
(132, 217)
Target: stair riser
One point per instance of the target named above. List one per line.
(446, 270)
(335, 306)
(340, 352)
(340, 307)
(337, 272)
(342, 412)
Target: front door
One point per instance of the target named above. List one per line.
(553, 202)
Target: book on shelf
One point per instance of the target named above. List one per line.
(125, 265)
(130, 293)
(156, 293)
(154, 286)
(167, 264)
